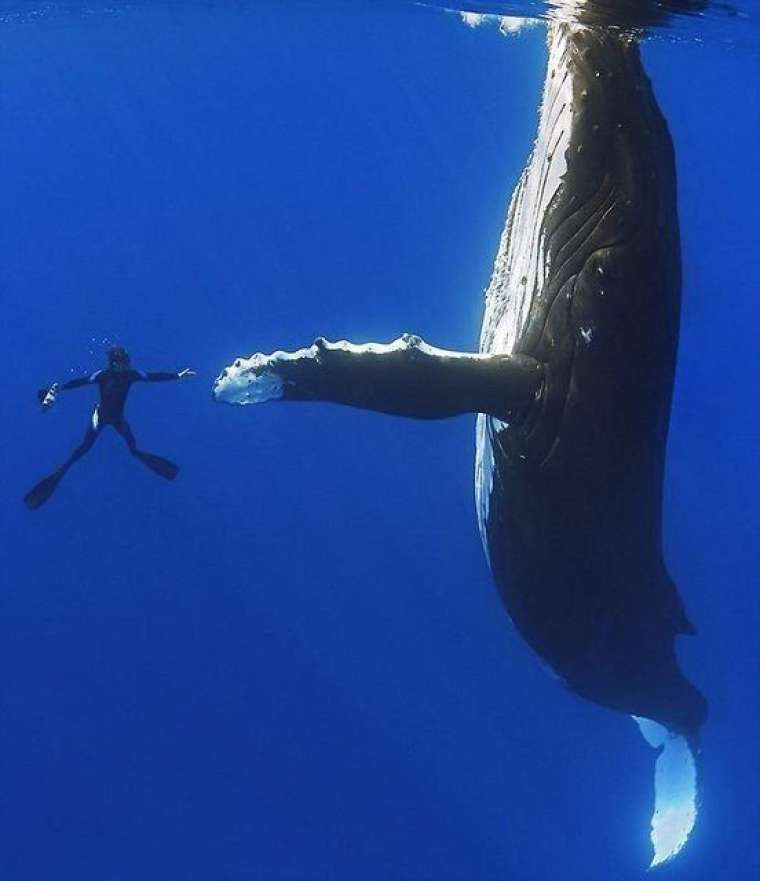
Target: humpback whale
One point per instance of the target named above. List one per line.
(572, 388)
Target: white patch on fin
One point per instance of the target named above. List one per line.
(675, 791)
(248, 381)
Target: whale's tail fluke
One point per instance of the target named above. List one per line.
(675, 790)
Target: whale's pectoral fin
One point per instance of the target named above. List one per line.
(406, 377)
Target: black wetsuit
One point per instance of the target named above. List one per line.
(113, 385)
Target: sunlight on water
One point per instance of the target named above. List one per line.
(675, 791)
(692, 20)
(508, 24)
(696, 20)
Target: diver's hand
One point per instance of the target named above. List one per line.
(186, 373)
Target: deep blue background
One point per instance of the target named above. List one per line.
(291, 663)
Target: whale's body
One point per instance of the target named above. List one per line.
(587, 282)
(573, 384)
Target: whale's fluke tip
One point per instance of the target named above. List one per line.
(675, 791)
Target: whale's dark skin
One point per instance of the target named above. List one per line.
(576, 408)
(573, 527)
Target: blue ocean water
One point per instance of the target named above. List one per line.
(291, 663)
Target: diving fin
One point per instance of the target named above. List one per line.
(37, 496)
(160, 466)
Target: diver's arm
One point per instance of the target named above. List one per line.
(407, 377)
(163, 376)
(47, 396)
(79, 382)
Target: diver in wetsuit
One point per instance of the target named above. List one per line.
(113, 383)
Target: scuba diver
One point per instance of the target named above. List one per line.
(113, 383)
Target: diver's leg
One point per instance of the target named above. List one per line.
(91, 435)
(157, 464)
(407, 377)
(40, 493)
